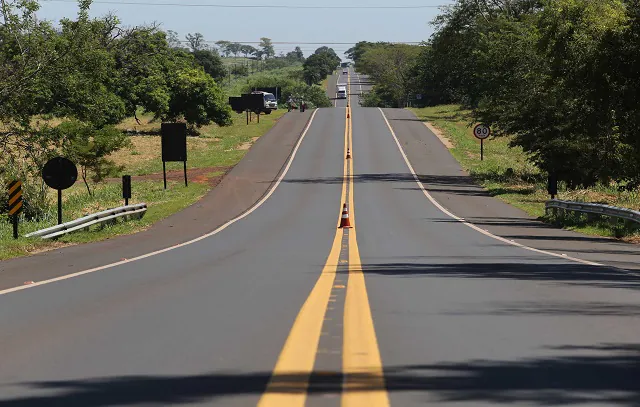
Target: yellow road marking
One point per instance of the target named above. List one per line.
(364, 383)
(290, 378)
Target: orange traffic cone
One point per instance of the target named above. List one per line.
(344, 221)
(348, 153)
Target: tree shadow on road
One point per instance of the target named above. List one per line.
(606, 374)
(560, 273)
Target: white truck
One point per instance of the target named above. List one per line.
(341, 92)
(270, 101)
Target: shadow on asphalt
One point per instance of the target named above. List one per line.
(606, 374)
(561, 273)
(458, 185)
(551, 308)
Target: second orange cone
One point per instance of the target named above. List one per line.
(344, 220)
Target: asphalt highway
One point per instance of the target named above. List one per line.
(438, 296)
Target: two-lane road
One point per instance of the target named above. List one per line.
(410, 307)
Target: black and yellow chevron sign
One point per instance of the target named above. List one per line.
(15, 197)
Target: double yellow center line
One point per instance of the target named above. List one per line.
(363, 380)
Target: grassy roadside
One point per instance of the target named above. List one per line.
(214, 151)
(508, 175)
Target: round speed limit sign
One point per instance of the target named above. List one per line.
(481, 131)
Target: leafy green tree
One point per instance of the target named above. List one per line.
(549, 91)
(90, 148)
(356, 52)
(320, 64)
(234, 48)
(92, 71)
(296, 55)
(224, 47)
(247, 50)
(196, 98)
(393, 66)
(266, 48)
(212, 64)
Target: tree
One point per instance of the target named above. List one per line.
(212, 64)
(234, 48)
(266, 48)
(174, 39)
(356, 52)
(224, 47)
(196, 41)
(392, 65)
(296, 55)
(196, 98)
(90, 148)
(247, 50)
(93, 72)
(320, 64)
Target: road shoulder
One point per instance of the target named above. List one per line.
(452, 187)
(241, 187)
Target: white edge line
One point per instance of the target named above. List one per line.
(197, 239)
(472, 226)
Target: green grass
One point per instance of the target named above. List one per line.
(507, 174)
(216, 147)
(77, 203)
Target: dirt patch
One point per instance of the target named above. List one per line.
(248, 144)
(207, 175)
(52, 245)
(447, 143)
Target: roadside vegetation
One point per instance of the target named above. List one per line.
(509, 174)
(555, 79)
(96, 92)
(210, 156)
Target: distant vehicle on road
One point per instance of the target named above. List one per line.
(270, 101)
(342, 92)
(345, 71)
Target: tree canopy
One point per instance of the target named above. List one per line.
(320, 64)
(92, 73)
(558, 76)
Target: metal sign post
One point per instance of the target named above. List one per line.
(481, 132)
(15, 204)
(59, 173)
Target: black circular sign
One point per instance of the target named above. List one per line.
(59, 173)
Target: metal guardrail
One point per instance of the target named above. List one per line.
(86, 221)
(598, 209)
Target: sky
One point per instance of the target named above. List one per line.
(333, 24)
